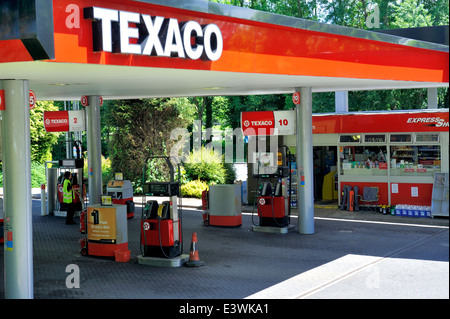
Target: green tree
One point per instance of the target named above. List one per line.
(410, 14)
(439, 11)
(238, 3)
(350, 13)
(42, 142)
(142, 129)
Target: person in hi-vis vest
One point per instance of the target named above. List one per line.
(68, 198)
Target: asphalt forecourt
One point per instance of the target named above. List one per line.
(379, 259)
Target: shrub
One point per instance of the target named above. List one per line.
(205, 165)
(230, 173)
(37, 175)
(194, 188)
(107, 173)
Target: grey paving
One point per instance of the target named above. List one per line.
(350, 255)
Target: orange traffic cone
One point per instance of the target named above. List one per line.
(193, 255)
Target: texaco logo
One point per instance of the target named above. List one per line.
(262, 201)
(47, 121)
(246, 123)
(146, 226)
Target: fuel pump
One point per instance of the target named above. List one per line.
(161, 223)
(273, 171)
(121, 192)
(75, 166)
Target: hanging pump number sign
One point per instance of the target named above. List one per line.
(269, 123)
(65, 121)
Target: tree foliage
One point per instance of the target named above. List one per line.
(142, 129)
(350, 13)
(41, 142)
(412, 14)
(353, 13)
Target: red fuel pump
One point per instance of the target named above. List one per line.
(273, 203)
(161, 234)
(272, 206)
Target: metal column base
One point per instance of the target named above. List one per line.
(273, 230)
(163, 262)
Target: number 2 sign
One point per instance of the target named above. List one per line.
(64, 121)
(76, 121)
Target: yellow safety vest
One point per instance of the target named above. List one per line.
(67, 194)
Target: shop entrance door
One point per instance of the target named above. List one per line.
(325, 174)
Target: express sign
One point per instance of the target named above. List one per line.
(381, 123)
(429, 121)
(114, 31)
(268, 123)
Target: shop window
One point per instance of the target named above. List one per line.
(400, 138)
(350, 138)
(417, 160)
(430, 137)
(363, 160)
(374, 138)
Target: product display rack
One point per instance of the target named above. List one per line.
(439, 203)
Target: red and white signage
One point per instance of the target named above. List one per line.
(285, 122)
(56, 121)
(268, 123)
(258, 123)
(85, 100)
(77, 121)
(64, 121)
(32, 100)
(296, 98)
(381, 122)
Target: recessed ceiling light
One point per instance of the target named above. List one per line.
(215, 88)
(65, 84)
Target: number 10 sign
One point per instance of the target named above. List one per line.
(269, 122)
(285, 122)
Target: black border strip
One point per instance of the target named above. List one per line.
(31, 21)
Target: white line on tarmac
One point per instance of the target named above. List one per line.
(369, 222)
(349, 220)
